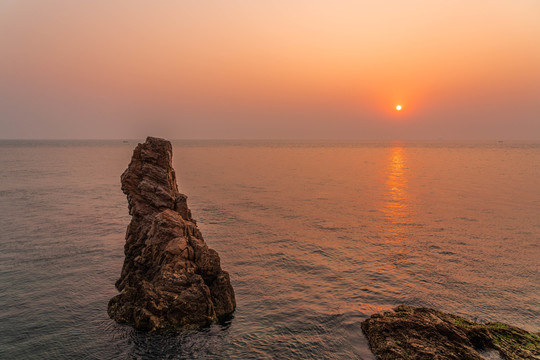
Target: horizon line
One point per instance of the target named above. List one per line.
(274, 139)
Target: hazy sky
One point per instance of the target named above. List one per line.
(270, 69)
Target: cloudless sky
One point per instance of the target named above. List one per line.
(270, 69)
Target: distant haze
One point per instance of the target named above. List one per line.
(270, 69)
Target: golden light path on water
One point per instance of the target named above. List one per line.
(396, 205)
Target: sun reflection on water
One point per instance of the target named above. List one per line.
(396, 204)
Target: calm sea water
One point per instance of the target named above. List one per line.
(316, 237)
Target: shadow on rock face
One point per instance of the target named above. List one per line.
(170, 279)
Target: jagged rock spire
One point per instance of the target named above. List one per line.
(170, 278)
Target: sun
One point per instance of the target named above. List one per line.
(398, 107)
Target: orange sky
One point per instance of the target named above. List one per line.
(276, 69)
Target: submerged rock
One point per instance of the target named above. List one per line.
(420, 333)
(170, 278)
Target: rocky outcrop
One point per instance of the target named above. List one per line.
(170, 278)
(420, 333)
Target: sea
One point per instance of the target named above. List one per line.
(316, 235)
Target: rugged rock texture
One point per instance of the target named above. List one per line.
(170, 279)
(420, 333)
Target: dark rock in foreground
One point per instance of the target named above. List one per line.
(420, 333)
(170, 279)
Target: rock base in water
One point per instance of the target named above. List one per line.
(170, 279)
(420, 333)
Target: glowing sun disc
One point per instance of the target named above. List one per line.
(398, 108)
